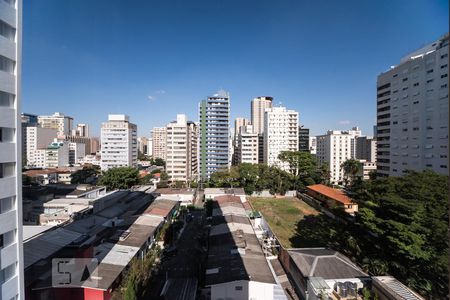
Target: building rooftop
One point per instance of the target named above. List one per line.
(332, 193)
(325, 263)
(161, 207)
(170, 191)
(234, 250)
(44, 245)
(394, 288)
(30, 231)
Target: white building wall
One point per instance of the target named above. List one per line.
(119, 143)
(412, 112)
(247, 151)
(280, 134)
(335, 148)
(11, 253)
(159, 141)
(37, 138)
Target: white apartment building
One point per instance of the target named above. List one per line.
(313, 145)
(63, 124)
(11, 250)
(335, 148)
(119, 143)
(258, 110)
(280, 134)
(37, 138)
(247, 150)
(238, 123)
(412, 112)
(181, 149)
(159, 137)
(150, 147)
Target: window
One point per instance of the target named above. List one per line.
(405, 79)
(6, 99)
(429, 80)
(238, 288)
(6, 65)
(444, 55)
(443, 76)
(7, 31)
(430, 71)
(416, 84)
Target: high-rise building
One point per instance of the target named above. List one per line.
(94, 145)
(334, 148)
(258, 110)
(412, 112)
(280, 134)
(159, 142)
(366, 148)
(214, 145)
(142, 145)
(247, 149)
(119, 143)
(238, 123)
(27, 120)
(37, 138)
(181, 150)
(81, 130)
(63, 124)
(11, 250)
(303, 139)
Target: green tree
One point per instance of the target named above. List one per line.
(83, 175)
(351, 168)
(120, 178)
(159, 162)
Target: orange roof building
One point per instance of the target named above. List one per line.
(332, 197)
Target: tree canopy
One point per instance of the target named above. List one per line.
(258, 177)
(84, 175)
(120, 178)
(409, 217)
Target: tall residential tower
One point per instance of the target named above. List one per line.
(119, 143)
(258, 110)
(181, 150)
(280, 134)
(412, 112)
(214, 117)
(11, 251)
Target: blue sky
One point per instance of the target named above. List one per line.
(154, 59)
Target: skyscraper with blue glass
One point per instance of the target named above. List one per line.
(214, 119)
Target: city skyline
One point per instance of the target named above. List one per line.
(284, 53)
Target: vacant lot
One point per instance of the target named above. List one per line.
(283, 214)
